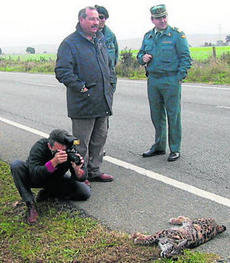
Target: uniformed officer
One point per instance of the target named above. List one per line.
(165, 55)
(110, 38)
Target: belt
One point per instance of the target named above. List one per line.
(165, 74)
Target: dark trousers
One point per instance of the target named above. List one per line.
(64, 187)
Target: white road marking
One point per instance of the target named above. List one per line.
(164, 179)
(161, 178)
(23, 127)
(37, 84)
(194, 85)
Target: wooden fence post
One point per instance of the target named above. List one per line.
(214, 52)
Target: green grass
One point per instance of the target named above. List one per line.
(64, 234)
(201, 53)
(204, 53)
(197, 53)
(204, 69)
(30, 57)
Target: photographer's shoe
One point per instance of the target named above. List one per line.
(151, 153)
(32, 214)
(173, 156)
(87, 183)
(101, 178)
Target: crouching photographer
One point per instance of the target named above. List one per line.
(46, 167)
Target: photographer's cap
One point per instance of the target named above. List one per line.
(158, 11)
(58, 135)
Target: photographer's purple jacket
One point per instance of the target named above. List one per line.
(79, 62)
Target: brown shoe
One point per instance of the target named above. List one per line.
(87, 183)
(32, 214)
(102, 178)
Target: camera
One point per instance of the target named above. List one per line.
(71, 142)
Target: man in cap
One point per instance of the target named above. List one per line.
(84, 67)
(110, 38)
(46, 168)
(166, 57)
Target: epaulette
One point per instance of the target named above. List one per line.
(179, 31)
(149, 32)
(176, 29)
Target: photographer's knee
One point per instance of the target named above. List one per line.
(16, 165)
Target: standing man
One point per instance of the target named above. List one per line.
(84, 67)
(165, 54)
(110, 38)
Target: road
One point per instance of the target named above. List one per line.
(145, 192)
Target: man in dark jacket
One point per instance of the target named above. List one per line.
(84, 67)
(46, 168)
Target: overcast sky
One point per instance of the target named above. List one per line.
(28, 22)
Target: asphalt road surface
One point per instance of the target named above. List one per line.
(145, 192)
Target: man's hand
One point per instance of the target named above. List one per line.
(77, 168)
(84, 89)
(147, 58)
(59, 157)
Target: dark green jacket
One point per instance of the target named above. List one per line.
(170, 52)
(111, 44)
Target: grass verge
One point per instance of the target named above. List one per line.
(65, 234)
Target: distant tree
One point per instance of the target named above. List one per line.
(207, 44)
(220, 43)
(0, 51)
(227, 39)
(30, 50)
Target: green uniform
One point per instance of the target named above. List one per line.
(111, 44)
(167, 68)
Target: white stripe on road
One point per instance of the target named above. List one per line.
(186, 84)
(164, 179)
(38, 84)
(23, 127)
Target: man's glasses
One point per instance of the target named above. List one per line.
(102, 17)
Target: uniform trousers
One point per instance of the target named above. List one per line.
(63, 187)
(92, 134)
(164, 94)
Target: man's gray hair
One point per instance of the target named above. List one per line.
(82, 12)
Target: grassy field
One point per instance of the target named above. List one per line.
(65, 234)
(197, 53)
(205, 68)
(202, 53)
(30, 57)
